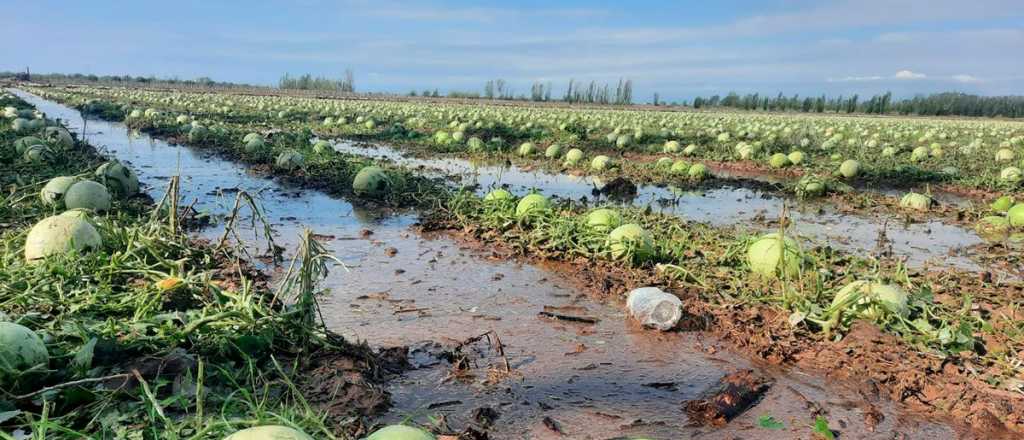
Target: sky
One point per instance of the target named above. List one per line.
(679, 49)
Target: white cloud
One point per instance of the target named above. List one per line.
(907, 74)
(964, 78)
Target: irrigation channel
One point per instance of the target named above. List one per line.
(604, 378)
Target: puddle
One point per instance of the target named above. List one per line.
(929, 242)
(602, 380)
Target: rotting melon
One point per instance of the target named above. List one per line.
(87, 194)
(269, 432)
(59, 137)
(119, 179)
(21, 349)
(400, 432)
(771, 256)
(53, 193)
(370, 181)
(874, 300)
(60, 234)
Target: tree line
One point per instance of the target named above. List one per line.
(309, 82)
(939, 104)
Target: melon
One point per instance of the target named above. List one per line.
(631, 240)
(527, 149)
(600, 163)
(53, 193)
(604, 219)
(269, 432)
(87, 194)
(22, 144)
(290, 160)
(1002, 204)
(796, 157)
(874, 300)
(59, 138)
(573, 156)
(992, 226)
(1010, 174)
(778, 160)
(400, 432)
(771, 256)
(21, 349)
(370, 181)
(60, 234)
(498, 195)
(849, 168)
(322, 146)
(671, 147)
(119, 179)
(553, 151)
(698, 171)
(531, 205)
(1016, 215)
(916, 201)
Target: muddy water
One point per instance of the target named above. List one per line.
(930, 242)
(606, 379)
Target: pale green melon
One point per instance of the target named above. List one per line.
(779, 160)
(119, 179)
(796, 157)
(849, 168)
(475, 144)
(21, 349)
(253, 145)
(59, 138)
(604, 219)
(53, 193)
(370, 181)
(698, 171)
(290, 160)
(1016, 215)
(992, 226)
(553, 151)
(690, 150)
(322, 146)
(1011, 175)
(573, 157)
(22, 144)
(771, 256)
(680, 167)
(58, 235)
(527, 149)
(1002, 204)
(916, 201)
(919, 154)
(600, 163)
(664, 163)
(89, 195)
(38, 154)
(874, 300)
(1005, 155)
(400, 432)
(498, 195)
(251, 136)
(269, 432)
(671, 147)
(532, 204)
(631, 240)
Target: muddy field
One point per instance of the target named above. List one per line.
(500, 336)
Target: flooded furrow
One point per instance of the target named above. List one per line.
(925, 243)
(600, 378)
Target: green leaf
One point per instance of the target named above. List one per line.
(821, 428)
(83, 359)
(768, 422)
(8, 415)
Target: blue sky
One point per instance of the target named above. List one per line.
(677, 48)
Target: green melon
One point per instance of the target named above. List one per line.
(290, 160)
(322, 146)
(1016, 215)
(698, 171)
(664, 163)
(53, 193)
(573, 157)
(919, 154)
(38, 154)
(690, 150)
(992, 226)
(916, 201)
(874, 300)
(400, 432)
(22, 144)
(499, 194)
(89, 195)
(119, 179)
(631, 240)
(475, 144)
(60, 234)
(778, 160)
(21, 349)
(796, 157)
(553, 151)
(1002, 204)
(680, 167)
(527, 149)
(370, 181)
(531, 205)
(269, 432)
(59, 138)
(600, 163)
(1005, 155)
(849, 169)
(671, 147)
(250, 137)
(604, 219)
(770, 256)
(254, 145)
(1011, 175)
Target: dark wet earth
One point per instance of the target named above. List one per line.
(600, 379)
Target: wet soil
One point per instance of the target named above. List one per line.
(548, 377)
